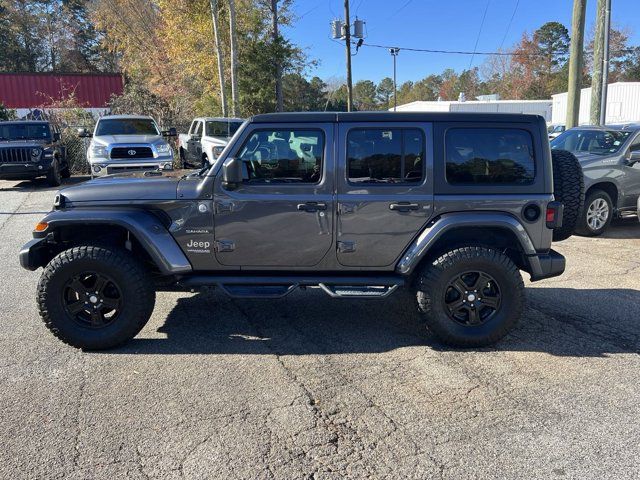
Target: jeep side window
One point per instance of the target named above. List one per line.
(489, 156)
(283, 156)
(377, 155)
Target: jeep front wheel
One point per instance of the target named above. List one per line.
(95, 297)
(54, 178)
(470, 296)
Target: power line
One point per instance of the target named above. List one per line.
(509, 24)
(467, 52)
(484, 15)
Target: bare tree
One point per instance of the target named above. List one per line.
(216, 37)
(234, 58)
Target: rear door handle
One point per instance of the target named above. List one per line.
(312, 206)
(404, 206)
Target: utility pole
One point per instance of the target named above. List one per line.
(605, 63)
(343, 32)
(216, 36)
(598, 64)
(347, 37)
(394, 53)
(575, 62)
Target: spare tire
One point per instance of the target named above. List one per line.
(568, 188)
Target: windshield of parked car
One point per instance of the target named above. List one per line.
(597, 142)
(217, 128)
(126, 126)
(25, 131)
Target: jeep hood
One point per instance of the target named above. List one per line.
(126, 187)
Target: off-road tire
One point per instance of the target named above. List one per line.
(132, 279)
(583, 227)
(433, 283)
(66, 172)
(568, 188)
(54, 177)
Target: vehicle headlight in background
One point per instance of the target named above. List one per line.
(98, 151)
(217, 151)
(35, 154)
(163, 148)
(166, 166)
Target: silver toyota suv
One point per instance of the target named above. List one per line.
(449, 206)
(610, 159)
(123, 143)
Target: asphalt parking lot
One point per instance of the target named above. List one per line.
(310, 387)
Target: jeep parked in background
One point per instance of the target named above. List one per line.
(124, 143)
(610, 160)
(31, 149)
(206, 140)
(450, 206)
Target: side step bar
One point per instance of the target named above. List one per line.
(269, 286)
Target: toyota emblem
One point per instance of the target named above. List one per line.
(131, 152)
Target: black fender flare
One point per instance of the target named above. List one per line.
(449, 221)
(144, 226)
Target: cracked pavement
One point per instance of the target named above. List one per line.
(308, 387)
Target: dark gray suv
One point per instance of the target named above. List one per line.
(610, 159)
(359, 205)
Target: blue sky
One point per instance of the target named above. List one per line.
(432, 24)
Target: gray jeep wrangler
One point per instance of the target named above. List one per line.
(449, 206)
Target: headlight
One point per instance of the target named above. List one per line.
(97, 169)
(217, 151)
(98, 151)
(166, 166)
(35, 154)
(163, 148)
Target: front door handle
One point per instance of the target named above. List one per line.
(312, 206)
(403, 206)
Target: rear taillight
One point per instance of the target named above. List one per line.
(553, 216)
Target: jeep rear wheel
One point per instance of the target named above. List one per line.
(95, 297)
(596, 215)
(470, 296)
(568, 188)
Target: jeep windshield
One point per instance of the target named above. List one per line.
(597, 142)
(219, 128)
(126, 126)
(24, 131)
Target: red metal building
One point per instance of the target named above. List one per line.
(35, 90)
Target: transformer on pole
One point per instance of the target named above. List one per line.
(342, 31)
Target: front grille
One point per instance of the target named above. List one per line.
(15, 155)
(131, 152)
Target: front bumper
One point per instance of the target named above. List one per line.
(15, 171)
(546, 265)
(32, 253)
(110, 167)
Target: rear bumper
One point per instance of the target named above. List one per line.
(546, 265)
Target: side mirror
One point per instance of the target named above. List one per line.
(172, 132)
(83, 133)
(232, 173)
(633, 157)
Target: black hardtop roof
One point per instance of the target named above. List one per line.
(31, 122)
(322, 117)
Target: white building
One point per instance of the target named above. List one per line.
(536, 107)
(623, 104)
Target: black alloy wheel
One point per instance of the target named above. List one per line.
(472, 298)
(92, 299)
